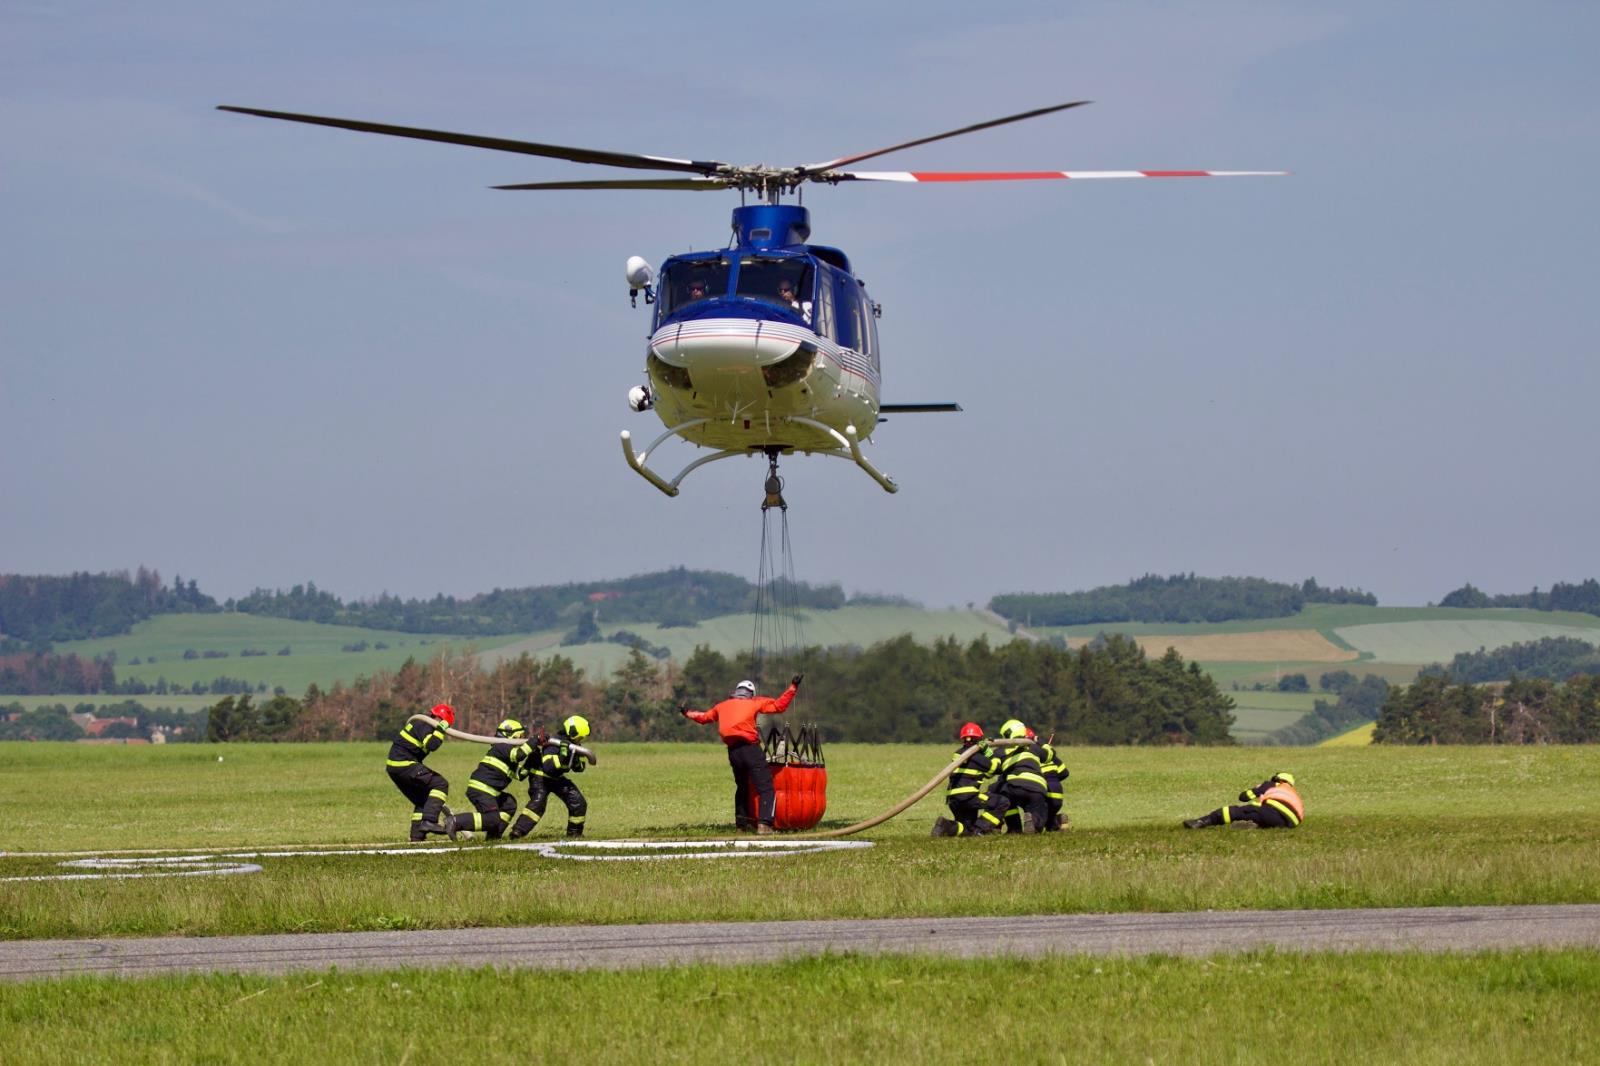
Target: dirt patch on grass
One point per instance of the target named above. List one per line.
(1272, 645)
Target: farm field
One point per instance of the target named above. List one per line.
(1514, 1007)
(1385, 827)
(315, 650)
(1256, 714)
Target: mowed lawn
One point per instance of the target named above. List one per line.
(1501, 1008)
(1385, 827)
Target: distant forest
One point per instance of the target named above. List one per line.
(1583, 597)
(1553, 658)
(37, 611)
(899, 690)
(1434, 710)
(1179, 598)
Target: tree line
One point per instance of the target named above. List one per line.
(898, 691)
(37, 611)
(1436, 710)
(1583, 597)
(1553, 658)
(1356, 702)
(54, 721)
(1178, 598)
(676, 597)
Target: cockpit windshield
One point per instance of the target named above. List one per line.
(690, 282)
(784, 282)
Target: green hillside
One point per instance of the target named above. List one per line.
(314, 650)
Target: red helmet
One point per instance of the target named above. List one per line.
(445, 713)
(971, 731)
(1031, 734)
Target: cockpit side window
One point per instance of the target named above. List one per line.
(690, 282)
(781, 282)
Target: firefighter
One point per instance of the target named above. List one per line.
(1055, 772)
(487, 789)
(972, 809)
(1022, 782)
(557, 758)
(1273, 804)
(736, 722)
(425, 788)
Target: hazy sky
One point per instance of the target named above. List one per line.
(260, 353)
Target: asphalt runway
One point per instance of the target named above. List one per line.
(625, 946)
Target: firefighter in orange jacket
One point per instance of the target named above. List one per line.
(736, 722)
(1273, 804)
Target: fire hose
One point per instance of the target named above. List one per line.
(912, 799)
(452, 731)
(848, 830)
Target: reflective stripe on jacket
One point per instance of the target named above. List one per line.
(408, 748)
(1284, 798)
(499, 766)
(980, 764)
(1022, 768)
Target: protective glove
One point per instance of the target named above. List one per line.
(683, 708)
(577, 765)
(1247, 796)
(796, 679)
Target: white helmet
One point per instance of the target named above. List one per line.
(744, 690)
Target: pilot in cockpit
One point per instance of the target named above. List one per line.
(697, 291)
(789, 298)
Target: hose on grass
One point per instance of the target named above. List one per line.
(910, 800)
(452, 731)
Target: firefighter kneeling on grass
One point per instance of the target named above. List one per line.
(558, 757)
(1273, 804)
(972, 810)
(1022, 783)
(488, 788)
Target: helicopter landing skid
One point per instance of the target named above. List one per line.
(847, 440)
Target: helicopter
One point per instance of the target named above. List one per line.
(770, 344)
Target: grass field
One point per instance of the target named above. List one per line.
(1385, 827)
(1514, 1008)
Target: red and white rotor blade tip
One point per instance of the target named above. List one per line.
(1044, 175)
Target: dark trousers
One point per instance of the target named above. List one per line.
(964, 809)
(1024, 800)
(1265, 816)
(539, 791)
(425, 789)
(750, 767)
(492, 812)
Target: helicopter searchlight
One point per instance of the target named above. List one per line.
(639, 277)
(768, 346)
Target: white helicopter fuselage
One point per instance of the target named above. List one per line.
(740, 383)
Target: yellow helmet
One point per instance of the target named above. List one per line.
(1013, 729)
(511, 728)
(1286, 778)
(576, 727)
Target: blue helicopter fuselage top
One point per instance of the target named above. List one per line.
(771, 274)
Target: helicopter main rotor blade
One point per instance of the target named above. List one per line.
(1039, 175)
(679, 184)
(846, 160)
(498, 144)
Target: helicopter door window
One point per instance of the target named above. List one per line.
(824, 324)
(688, 283)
